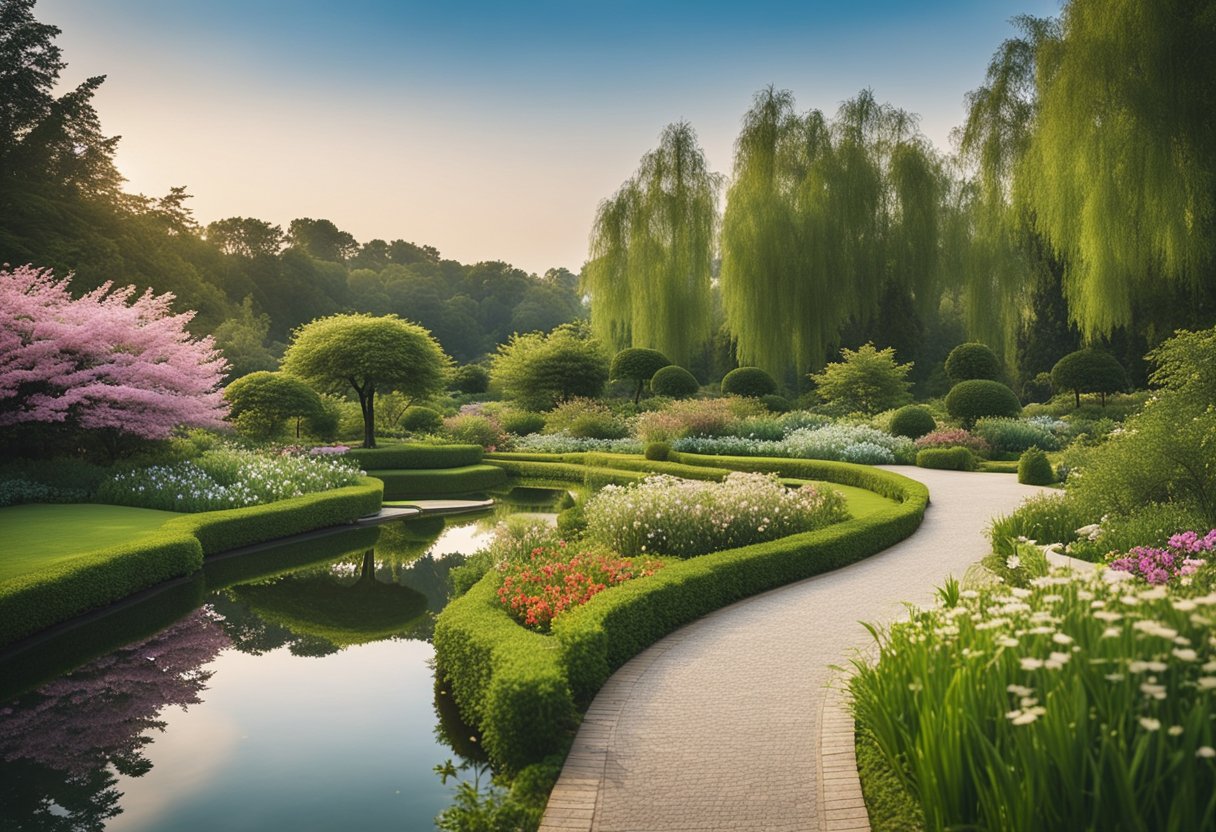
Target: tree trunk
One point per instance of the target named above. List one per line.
(1077, 393)
(637, 394)
(368, 402)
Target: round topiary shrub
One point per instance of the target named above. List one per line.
(972, 360)
(912, 421)
(419, 419)
(471, 378)
(521, 422)
(658, 451)
(675, 382)
(638, 365)
(748, 381)
(1034, 468)
(776, 404)
(1089, 371)
(946, 459)
(977, 398)
(1038, 389)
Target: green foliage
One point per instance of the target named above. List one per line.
(973, 360)
(474, 429)
(369, 354)
(419, 419)
(1089, 371)
(889, 804)
(776, 404)
(1034, 468)
(638, 365)
(586, 419)
(537, 371)
(652, 252)
(867, 380)
(572, 522)
(1006, 436)
(1046, 518)
(750, 382)
(521, 422)
(405, 484)
(658, 451)
(912, 421)
(1149, 525)
(1186, 364)
(948, 459)
(675, 382)
(977, 398)
(260, 402)
(470, 378)
(1038, 389)
(416, 456)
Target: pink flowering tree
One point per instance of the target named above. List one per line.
(110, 360)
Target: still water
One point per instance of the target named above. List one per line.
(290, 689)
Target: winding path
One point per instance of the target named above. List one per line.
(722, 725)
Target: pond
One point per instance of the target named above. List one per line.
(287, 689)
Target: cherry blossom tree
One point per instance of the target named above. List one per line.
(110, 359)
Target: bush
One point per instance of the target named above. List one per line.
(474, 429)
(564, 443)
(538, 371)
(1089, 371)
(585, 419)
(422, 484)
(1038, 389)
(416, 456)
(261, 402)
(675, 382)
(1012, 436)
(696, 417)
(1045, 518)
(471, 379)
(638, 365)
(867, 380)
(972, 360)
(912, 421)
(750, 382)
(975, 399)
(419, 419)
(776, 404)
(947, 459)
(658, 451)
(954, 438)
(841, 442)
(1034, 468)
(521, 422)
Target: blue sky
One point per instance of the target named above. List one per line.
(489, 130)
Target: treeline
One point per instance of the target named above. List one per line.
(62, 206)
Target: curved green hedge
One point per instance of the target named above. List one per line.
(416, 456)
(947, 459)
(522, 690)
(404, 484)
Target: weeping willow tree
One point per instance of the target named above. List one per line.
(1121, 168)
(652, 251)
(821, 219)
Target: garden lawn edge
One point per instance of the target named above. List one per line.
(38, 600)
(523, 691)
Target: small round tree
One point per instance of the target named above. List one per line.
(979, 397)
(537, 371)
(912, 421)
(751, 382)
(972, 360)
(1089, 371)
(675, 382)
(368, 354)
(420, 419)
(639, 365)
(867, 380)
(471, 378)
(260, 402)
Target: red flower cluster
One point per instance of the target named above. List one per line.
(554, 579)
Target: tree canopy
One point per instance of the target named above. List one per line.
(538, 371)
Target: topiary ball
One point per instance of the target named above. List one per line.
(946, 459)
(658, 451)
(977, 398)
(1034, 468)
(912, 421)
(748, 381)
(419, 419)
(675, 382)
(776, 404)
(972, 360)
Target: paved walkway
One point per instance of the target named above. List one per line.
(722, 725)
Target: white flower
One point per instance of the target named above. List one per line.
(1185, 654)
(1175, 731)
(1018, 690)
(1056, 660)
(1030, 663)
(1013, 561)
(1205, 752)
(1062, 638)
(1150, 724)
(1206, 682)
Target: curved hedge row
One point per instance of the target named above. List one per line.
(523, 690)
(33, 602)
(402, 484)
(416, 456)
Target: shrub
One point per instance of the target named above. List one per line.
(846, 443)
(972, 360)
(1089, 371)
(867, 380)
(672, 516)
(912, 421)
(1183, 555)
(521, 422)
(658, 451)
(949, 459)
(1044, 518)
(419, 419)
(261, 402)
(1012, 436)
(403, 484)
(750, 382)
(977, 398)
(585, 419)
(470, 378)
(537, 371)
(952, 438)
(1034, 468)
(696, 417)
(1148, 525)
(776, 404)
(564, 443)
(416, 456)
(1037, 389)
(638, 365)
(474, 429)
(675, 382)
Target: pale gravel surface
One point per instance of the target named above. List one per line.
(717, 726)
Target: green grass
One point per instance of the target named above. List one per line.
(861, 502)
(891, 807)
(39, 535)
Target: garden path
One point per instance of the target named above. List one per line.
(723, 725)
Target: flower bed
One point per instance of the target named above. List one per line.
(954, 438)
(564, 443)
(1181, 557)
(859, 444)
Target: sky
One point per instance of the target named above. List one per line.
(490, 130)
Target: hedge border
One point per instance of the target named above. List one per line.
(416, 456)
(523, 691)
(38, 600)
(403, 484)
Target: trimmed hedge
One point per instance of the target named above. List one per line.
(675, 382)
(751, 382)
(972, 360)
(522, 690)
(912, 421)
(416, 456)
(1034, 468)
(658, 451)
(975, 399)
(946, 459)
(403, 484)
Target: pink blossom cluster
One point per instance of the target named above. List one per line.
(1159, 566)
(1192, 543)
(108, 359)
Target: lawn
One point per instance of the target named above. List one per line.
(38, 535)
(861, 502)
